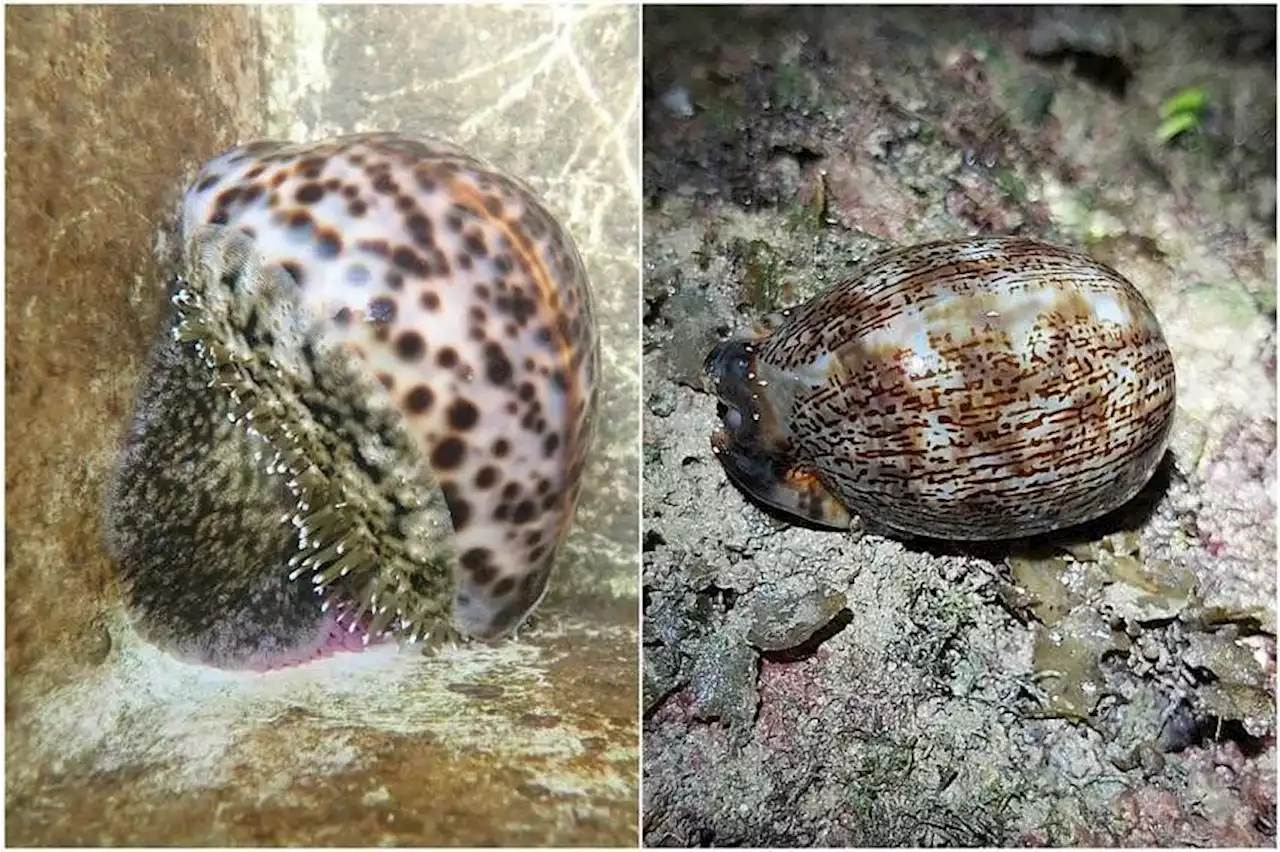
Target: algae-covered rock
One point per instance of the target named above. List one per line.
(1146, 591)
(1066, 659)
(1240, 687)
(1055, 585)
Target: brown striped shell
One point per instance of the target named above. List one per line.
(986, 388)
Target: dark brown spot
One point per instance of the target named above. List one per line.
(477, 562)
(502, 263)
(448, 454)
(295, 271)
(527, 391)
(207, 182)
(503, 587)
(343, 317)
(310, 167)
(384, 184)
(519, 306)
(486, 477)
(430, 301)
(501, 447)
(497, 366)
(410, 261)
(494, 205)
(511, 491)
(463, 415)
(395, 279)
(419, 399)
(229, 196)
(475, 244)
(420, 228)
(387, 380)
(329, 244)
(299, 219)
(525, 511)
(310, 193)
(447, 358)
(441, 263)
(350, 191)
(550, 444)
(410, 345)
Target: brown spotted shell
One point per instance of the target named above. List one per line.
(975, 389)
(453, 284)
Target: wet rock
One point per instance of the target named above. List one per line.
(694, 322)
(661, 675)
(784, 618)
(723, 680)
(1131, 728)
(662, 402)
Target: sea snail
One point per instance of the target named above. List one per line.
(987, 388)
(368, 412)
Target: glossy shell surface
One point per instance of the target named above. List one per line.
(978, 389)
(470, 304)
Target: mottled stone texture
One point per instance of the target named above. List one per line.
(109, 111)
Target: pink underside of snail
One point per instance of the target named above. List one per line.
(334, 637)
